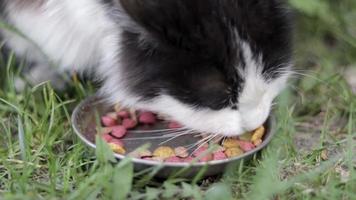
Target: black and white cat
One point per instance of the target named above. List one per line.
(213, 65)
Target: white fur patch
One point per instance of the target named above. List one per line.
(256, 99)
(71, 33)
(225, 122)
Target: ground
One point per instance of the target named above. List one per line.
(311, 157)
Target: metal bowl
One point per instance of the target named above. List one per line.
(84, 124)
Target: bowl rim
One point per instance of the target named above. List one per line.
(95, 98)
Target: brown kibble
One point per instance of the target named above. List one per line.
(164, 152)
(233, 152)
(258, 134)
(230, 143)
(181, 152)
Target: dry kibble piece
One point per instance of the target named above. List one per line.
(145, 153)
(181, 152)
(173, 159)
(257, 142)
(158, 159)
(258, 133)
(233, 152)
(104, 130)
(219, 148)
(129, 123)
(107, 137)
(220, 155)
(108, 121)
(147, 118)
(123, 114)
(203, 154)
(119, 131)
(246, 146)
(117, 148)
(188, 159)
(200, 151)
(174, 125)
(230, 143)
(206, 158)
(112, 115)
(141, 154)
(117, 142)
(163, 152)
(246, 136)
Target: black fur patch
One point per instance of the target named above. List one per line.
(190, 49)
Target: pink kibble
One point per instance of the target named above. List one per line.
(147, 118)
(200, 151)
(117, 142)
(246, 146)
(174, 125)
(108, 121)
(123, 114)
(188, 159)
(173, 159)
(119, 131)
(203, 151)
(107, 137)
(219, 155)
(206, 158)
(129, 123)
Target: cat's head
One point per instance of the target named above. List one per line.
(213, 65)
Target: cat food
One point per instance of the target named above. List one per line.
(147, 118)
(116, 125)
(119, 131)
(164, 152)
(181, 152)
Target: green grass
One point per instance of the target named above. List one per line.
(311, 157)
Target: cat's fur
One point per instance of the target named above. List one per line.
(213, 65)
